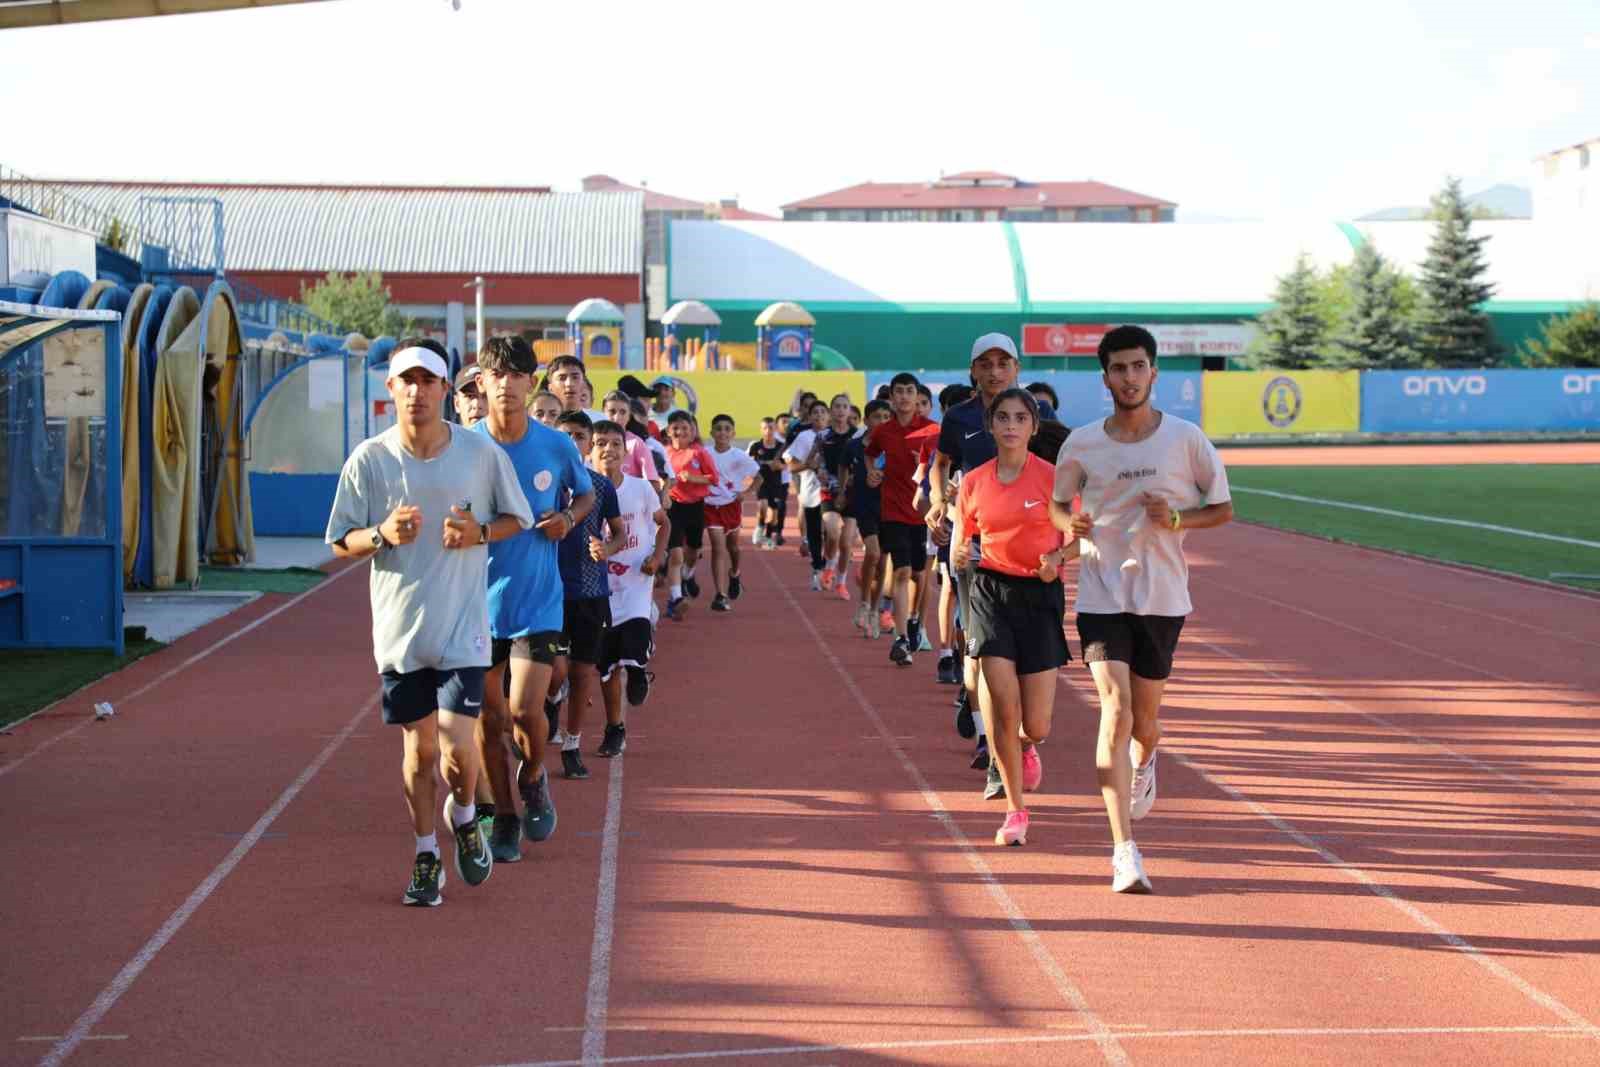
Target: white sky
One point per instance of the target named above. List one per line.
(1231, 108)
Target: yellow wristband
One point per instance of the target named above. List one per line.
(1177, 518)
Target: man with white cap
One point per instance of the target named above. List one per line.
(423, 499)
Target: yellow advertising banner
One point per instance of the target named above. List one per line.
(746, 395)
(1281, 403)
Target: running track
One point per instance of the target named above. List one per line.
(1375, 842)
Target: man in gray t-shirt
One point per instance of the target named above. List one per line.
(423, 499)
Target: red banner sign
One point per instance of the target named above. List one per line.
(1062, 338)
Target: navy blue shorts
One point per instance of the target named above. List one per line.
(412, 697)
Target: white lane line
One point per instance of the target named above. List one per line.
(1439, 520)
(1001, 1040)
(1069, 992)
(1357, 874)
(147, 953)
(1487, 768)
(145, 688)
(1546, 631)
(91, 1037)
(596, 1004)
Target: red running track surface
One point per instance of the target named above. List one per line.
(1375, 842)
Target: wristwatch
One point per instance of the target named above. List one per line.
(379, 542)
(483, 533)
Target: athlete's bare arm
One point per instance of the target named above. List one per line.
(1204, 517)
(400, 528)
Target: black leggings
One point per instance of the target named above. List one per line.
(813, 517)
(780, 512)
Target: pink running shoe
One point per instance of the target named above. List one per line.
(844, 590)
(1014, 831)
(827, 579)
(886, 621)
(1032, 768)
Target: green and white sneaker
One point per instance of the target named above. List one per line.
(474, 861)
(427, 878)
(538, 808)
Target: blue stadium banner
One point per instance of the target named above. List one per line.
(1083, 395)
(1449, 401)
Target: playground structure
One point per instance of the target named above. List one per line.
(680, 351)
(594, 327)
(783, 337)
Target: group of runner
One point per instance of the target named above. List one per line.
(516, 555)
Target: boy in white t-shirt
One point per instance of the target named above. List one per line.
(725, 510)
(1145, 477)
(630, 641)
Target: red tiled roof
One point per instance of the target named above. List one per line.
(739, 214)
(979, 176)
(925, 195)
(653, 201)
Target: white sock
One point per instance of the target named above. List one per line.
(428, 844)
(461, 815)
(978, 719)
(676, 590)
(569, 742)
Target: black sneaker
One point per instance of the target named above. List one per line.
(691, 587)
(913, 632)
(994, 788)
(900, 652)
(615, 741)
(778, 540)
(675, 608)
(572, 764)
(720, 603)
(966, 726)
(637, 684)
(474, 861)
(947, 669)
(427, 878)
(538, 809)
(980, 757)
(735, 587)
(505, 839)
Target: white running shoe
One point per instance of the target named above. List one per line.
(861, 617)
(1143, 794)
(1127, 870)
(816, 582)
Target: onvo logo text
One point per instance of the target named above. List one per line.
(1580, 384)
(1445, 385)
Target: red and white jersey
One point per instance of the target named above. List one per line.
(734, 468)
(630, 587)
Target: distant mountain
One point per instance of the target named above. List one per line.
(1497, 201)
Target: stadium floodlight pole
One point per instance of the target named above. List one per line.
(477, 283)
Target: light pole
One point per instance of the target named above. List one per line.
(477, 283)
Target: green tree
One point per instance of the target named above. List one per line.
(1294, 333)
(1570, 340)
(358, 302)
(1453, 330)
(1374, 326)
(115, 236)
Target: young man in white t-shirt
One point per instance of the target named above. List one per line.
(725, 510)
(630, 641)
(804, 459)
(1145, 479)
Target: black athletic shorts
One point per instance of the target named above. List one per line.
(867, 523)
(413, 696)
(688, 524)
(1018, 619)
(627, 644)
(541, 647)
(905, 543)
(1144, 642)
(583, 626)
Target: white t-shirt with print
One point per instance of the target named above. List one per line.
(631, 588)
(1127, 564)
(734, 468)
(810, 490)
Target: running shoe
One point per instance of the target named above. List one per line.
(1127, 870)
(874, 629)
(486, 817)
(427, 878)
(827, 578)
(779, 541)
(1143, 794)
(675, 608)
(637, 684)
(994, 788)
(842, 590)
(615, 741)
(505, 839)
(691, 587)
(721, 603)
(816, 582)
(538, 808)
(735, 587)
(966, 725)
(1032, 768)
(980, 755)
(474, 862)
(1014, 831)
(914, 632)
(947, 672)
(923, 644)
(886, 621)
(572, 764)
(861, 617)
(900, 652)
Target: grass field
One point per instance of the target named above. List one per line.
(1562, 500)
(244, 580)
(35, 677)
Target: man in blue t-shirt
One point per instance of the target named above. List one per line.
(525, 595)
(586, 592)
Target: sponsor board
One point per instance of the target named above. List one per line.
(34, 246)
(1485, 401)
(1247, 403)
(1172, 339)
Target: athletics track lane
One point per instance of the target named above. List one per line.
(781, 881)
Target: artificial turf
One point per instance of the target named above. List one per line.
(35, 677)
(1559, 499)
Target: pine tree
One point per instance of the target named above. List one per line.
(1294, 332)
(1374, 330)
(1571, 340)
(1454, 330)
